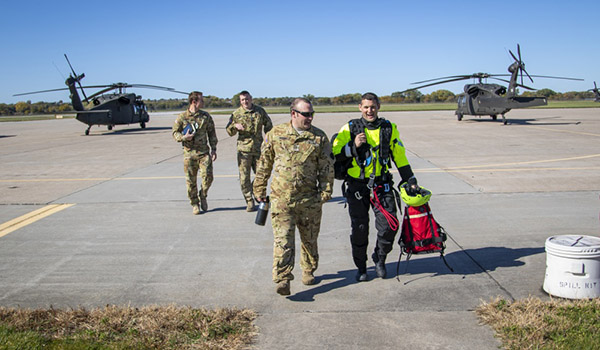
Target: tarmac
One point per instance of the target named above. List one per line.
(104, 219)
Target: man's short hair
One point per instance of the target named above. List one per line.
(194, 96)
(297, 101)
(371, 97)
(245, 93)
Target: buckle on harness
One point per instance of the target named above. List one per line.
(358, 195)
(371, 183)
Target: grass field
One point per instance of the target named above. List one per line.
(340, 109)
(112, 327)
(544, 325)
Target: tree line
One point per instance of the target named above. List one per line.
(414, 96)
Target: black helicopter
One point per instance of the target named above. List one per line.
(108, 109)
(596, 92)
(493, 99)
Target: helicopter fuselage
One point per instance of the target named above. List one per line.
(492, 99)
(115, 109)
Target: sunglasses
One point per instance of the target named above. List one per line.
(305, 114)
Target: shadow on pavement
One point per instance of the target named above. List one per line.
(464, 262)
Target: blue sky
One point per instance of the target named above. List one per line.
(280, 48)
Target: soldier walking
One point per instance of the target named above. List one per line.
(372, 148)
(199, 134)
(248, 121)
(301, 156)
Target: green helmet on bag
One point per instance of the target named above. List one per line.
(421, 197)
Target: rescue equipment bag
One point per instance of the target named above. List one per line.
(421, 233)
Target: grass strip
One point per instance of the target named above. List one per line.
(544, 325)
(114, 327)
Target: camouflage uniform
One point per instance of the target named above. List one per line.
(196, 152)
(302, 183)
(249, 141)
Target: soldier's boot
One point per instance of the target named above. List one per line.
(308, 278)
(283, 288)
(203, 203)
(195, 209)
(250, 206)
(379, 261)
(361, 275)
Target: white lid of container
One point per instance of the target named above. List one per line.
(574, 243)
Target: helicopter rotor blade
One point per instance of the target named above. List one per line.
(504, 80)
(180, 92)
(529, 76)
(77, 78)
(39, 92)
(551, 77)
(449, 77)
(526, 87)
(513, 56)
(439, 82)
(101, 92)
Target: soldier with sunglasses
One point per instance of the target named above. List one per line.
(300, 156)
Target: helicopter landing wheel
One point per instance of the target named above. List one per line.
(87, 132)
(504, 120)
(494, 117)
(459, 116)
(143, 125)
(110, 127)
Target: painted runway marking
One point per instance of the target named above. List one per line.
(567, 131)
(468, 167)
(106, 179)
(471, 168)
(501, 169)
(31, 217)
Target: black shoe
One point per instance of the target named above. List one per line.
(379, 265)
(361, 276)
(380, 269)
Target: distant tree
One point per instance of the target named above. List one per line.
(545, 93)
(440, 96)
(22, 107)
(413, 96)
(235, 100)
(309, 97)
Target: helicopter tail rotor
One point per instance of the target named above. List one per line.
(520, 64)
(77, 78)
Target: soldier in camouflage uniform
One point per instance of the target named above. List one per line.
(300, 155)
(248, 122)
(197, 156)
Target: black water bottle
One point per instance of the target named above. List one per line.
(261, 213)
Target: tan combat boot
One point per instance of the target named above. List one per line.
(308, 278)
(250, 206)
(195, 209)
(283, 288)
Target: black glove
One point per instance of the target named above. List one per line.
(412, 188)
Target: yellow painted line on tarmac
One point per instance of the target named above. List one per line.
(501, 170)
(521, 163)
(565, 131)
(31, 217)
(105, 179)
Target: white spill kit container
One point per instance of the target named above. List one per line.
(573, 266)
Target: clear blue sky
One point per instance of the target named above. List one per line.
(280, 48)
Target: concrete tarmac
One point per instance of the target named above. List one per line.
(129, 236)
